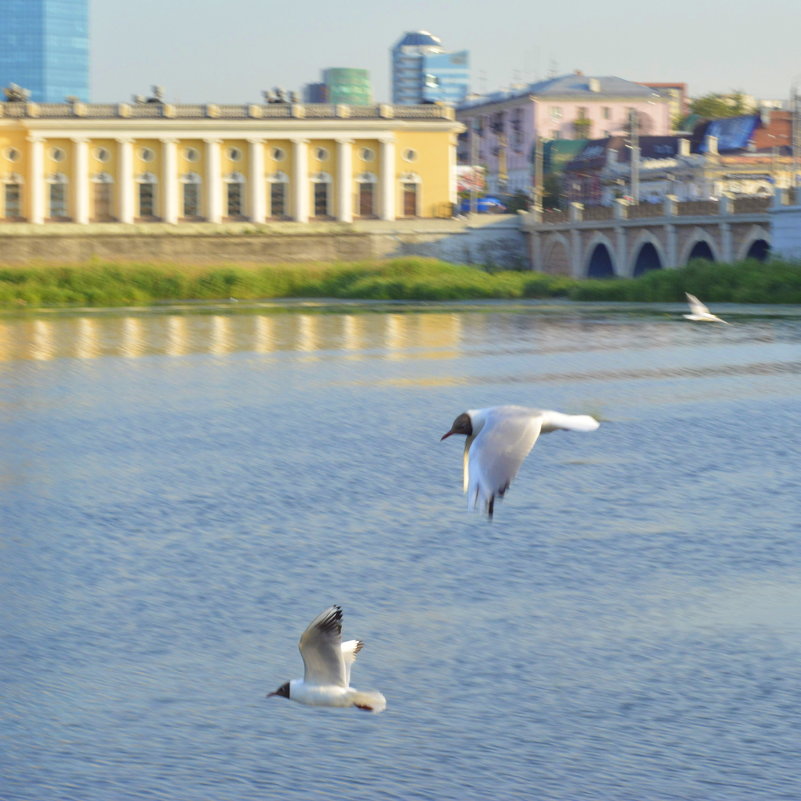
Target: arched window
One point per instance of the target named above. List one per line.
(103, 184)
(278, 195)
(57, 207)
(410, 183)
(146, 196)
(234, 195)
(366, 201)
(12, 197)
(322, 194)
(190, 184)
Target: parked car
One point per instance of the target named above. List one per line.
(484, 205)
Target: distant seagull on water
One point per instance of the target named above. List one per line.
(327, 661)
(699, 312)
(498, 440)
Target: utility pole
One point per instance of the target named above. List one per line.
(475, 124)
(539, 146)
(796, 133)
(634, 144)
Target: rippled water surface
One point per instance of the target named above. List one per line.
(184, 489)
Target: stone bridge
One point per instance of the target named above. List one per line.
(626, 240)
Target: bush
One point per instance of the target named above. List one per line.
(409, 278)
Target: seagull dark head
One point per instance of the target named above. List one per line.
(461, 425)
(281, 692)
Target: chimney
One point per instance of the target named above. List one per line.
(684, 147)
(594, 85)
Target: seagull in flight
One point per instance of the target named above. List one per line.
(498, 440)
(327, 662)
(699, 312)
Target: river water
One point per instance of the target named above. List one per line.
(184, 488)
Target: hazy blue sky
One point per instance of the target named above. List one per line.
(229, 50)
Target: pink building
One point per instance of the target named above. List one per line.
(502, 127)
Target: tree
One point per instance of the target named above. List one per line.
(715, 106)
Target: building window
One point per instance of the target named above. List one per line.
(191, 199)
(321, 198)
(57, 154)
(366, 198)
(409, 154)
(409, 200)
(234, 153)
(607, 113)
(555, 133)
(13, 206)
(103, 201)
(58, 200)
(234, 198)
(278, 199)
(556, 112)
(278, 154)
(147, 154)
(368, 154)
(147, 199)
(582, 112)
(321, 153)
(12, 154)
(191, 154)
(101, 154)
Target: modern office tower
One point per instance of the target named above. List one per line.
(44, 48)
(424, 72)
(349, 86)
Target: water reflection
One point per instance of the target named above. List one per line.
(434, 334)
(93, 336)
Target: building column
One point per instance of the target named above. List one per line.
(36, 180)
(300, 179)
(125, 199)
(213, 181)
(345, 180)
(387, 179)
(257, 207)
(80, 180)
(453, 197)
(169, 180)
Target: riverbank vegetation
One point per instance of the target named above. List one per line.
(410, 278)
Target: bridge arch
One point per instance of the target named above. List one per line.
(556, 255)
(599, 258)
(756, 245)
(648, 255)
(700, 245)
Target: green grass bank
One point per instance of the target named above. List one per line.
(409, 278)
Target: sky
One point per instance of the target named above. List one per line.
(228, 51)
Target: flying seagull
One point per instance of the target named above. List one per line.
(699, 312)
(498, 439)
(327, 661)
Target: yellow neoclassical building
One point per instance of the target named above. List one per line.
(159, 162)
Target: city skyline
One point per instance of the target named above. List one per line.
(718, 47)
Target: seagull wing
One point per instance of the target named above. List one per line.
(321, 648)
(496, 453)
(349, 651)
(696, 307)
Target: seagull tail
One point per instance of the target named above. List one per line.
(551, 421)
(370, 701)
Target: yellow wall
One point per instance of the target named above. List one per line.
(431, 164)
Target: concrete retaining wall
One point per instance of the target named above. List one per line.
(487, 239)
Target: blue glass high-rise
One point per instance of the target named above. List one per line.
(44, 47)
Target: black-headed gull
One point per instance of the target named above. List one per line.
(699, 312)
(498, 439)
(327, 661)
